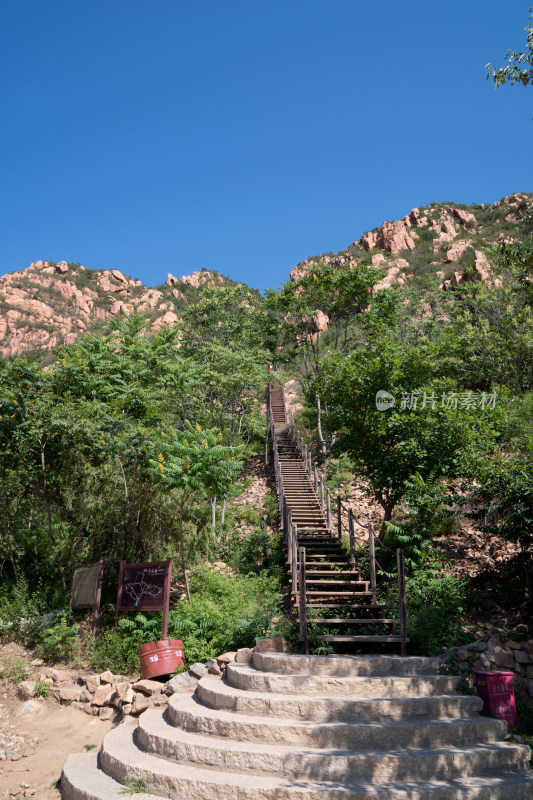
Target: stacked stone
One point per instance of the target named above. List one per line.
(494, 655)
(112, 697)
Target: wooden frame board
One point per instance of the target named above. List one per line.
(86, 588)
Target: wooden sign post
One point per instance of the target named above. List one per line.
(86, 588)
(145, 587)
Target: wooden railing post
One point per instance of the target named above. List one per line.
(352, 539)
(339, 519)
(303, 607)
(266, 442)
(316, 478)
(401, 597)
(322, 503)
(294, 560)
(372, 549)
(328, 509)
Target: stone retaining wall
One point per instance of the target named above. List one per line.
(510, 656)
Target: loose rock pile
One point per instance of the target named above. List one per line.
(112, 697)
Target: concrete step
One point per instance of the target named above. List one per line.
(154, 735)
(119, 758)
(218, 694)
(249, 679)
(185, 711)
(375, 666)
(82, 779)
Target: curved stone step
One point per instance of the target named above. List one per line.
(250, 679)
(81, 779)
(120, 757)
(186, 712)
(154, 735)
(289, 663)
(218, 694)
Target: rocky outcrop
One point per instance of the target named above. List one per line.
(202, 279)
(49, 304)
(394, 237)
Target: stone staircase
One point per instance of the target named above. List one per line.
(296, 727)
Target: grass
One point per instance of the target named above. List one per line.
(14, 669)
(134, 785)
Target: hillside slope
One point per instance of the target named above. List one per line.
(49, 304)
(444, 242)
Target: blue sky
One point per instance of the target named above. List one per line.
(168, 136)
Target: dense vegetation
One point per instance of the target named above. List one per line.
(128, 446)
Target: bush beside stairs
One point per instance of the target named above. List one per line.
(307, 728)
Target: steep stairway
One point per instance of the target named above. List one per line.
(296, 727)
(327, 590)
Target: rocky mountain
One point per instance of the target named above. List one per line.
(49, 304)
(444, 242)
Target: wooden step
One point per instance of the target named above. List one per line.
(373, 621)
(370, 639)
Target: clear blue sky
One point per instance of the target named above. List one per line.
(167, 136)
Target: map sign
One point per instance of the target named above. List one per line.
(145, 587)
(142, 586)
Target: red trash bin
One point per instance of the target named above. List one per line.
(161, 658)
(497, 692)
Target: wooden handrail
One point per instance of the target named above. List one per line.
(303, 602)
(352, 539)
(402, 604)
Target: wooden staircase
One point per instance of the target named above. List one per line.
(327, 590)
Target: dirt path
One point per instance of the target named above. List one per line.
(34, 746)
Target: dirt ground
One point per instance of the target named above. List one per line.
(36, 745)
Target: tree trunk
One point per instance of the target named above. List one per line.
(182, 550)
(321, 439)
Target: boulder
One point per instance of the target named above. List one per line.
(70, 692)
(26, 690)
(148, 687)
(92, 682)
(107, 677)
(29, 707)
(103, 694)
(393, 237)
(226, 658)
(368, 240)
(244, 655)
(180, 684)
(198, 670)
(276, 644)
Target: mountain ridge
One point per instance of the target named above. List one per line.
(48, 304)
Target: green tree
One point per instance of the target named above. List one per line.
(193, 461)
(389, 447)
(520, 66)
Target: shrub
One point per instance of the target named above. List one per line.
(14, 669)
(435, 602)
(59, 642)
(225, 613)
